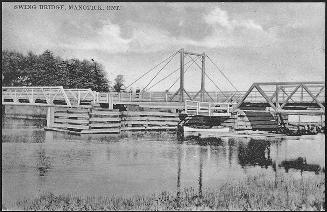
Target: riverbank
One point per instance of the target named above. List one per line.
(253, 193)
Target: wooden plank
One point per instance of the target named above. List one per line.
(104, 119)
(99, 131)
(265, 127)
(148, 113)
(78, 110)
(151, 118)
(148, 128)
(258, 126)
(98, 108)
(80, 127)
(55, 129)
(162, 123)
(165, 123)
(58, 109)
(105, 125)
(71, 115)
(258, 122)
(57, 125)
(258, 118)
(74, 121)
(108, 112)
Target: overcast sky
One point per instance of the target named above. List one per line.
(250, 42)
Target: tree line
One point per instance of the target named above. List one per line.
(47, 69)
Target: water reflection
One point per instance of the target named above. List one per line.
(179, 170)
(302, 165)
(43, 164)
(201, 152)
(35, 160)
(255, 152)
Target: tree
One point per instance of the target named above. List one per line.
(119, 83)
(50, 70)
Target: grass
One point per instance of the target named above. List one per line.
(253, 193)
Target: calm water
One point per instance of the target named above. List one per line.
(35, 161)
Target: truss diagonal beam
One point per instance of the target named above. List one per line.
(265, 96)
(321, 89)
(290, 96)
(285, 93)
(65, 97)
(245, 95)
(313, 97)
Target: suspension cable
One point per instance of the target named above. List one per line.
(179, 77)
(167, 76)
(211, 79)
(158, 73)
(215, 85)
(152, 69)
(221, 72)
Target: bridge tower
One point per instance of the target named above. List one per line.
(181, 89)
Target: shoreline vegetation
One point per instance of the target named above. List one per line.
(253, 193)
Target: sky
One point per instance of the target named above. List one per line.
(249, 42)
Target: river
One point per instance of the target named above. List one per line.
(35, 161)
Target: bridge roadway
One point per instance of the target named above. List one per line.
(277, 98)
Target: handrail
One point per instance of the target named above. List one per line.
(75, 96)
(208, 108)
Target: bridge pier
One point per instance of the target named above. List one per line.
(50, 116)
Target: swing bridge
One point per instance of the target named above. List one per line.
(281, 97)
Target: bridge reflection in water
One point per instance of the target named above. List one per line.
(249, 153)
(36, 161)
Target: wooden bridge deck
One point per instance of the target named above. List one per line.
(216, 104)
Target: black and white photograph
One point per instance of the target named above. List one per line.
(163, 106)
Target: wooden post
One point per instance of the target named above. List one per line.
(15, 97)
(185, 106)
(181, 86)
(50, 116)
(32, 96)
(110, 102)
(277, 96)
(78, 98)
(197, 108)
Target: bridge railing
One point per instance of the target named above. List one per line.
(208, 108)
(54, 95)
(304, 93)
(77, 97)
(166, 96)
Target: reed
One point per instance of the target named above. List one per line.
(253, 193)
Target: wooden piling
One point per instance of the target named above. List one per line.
(50, 116)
